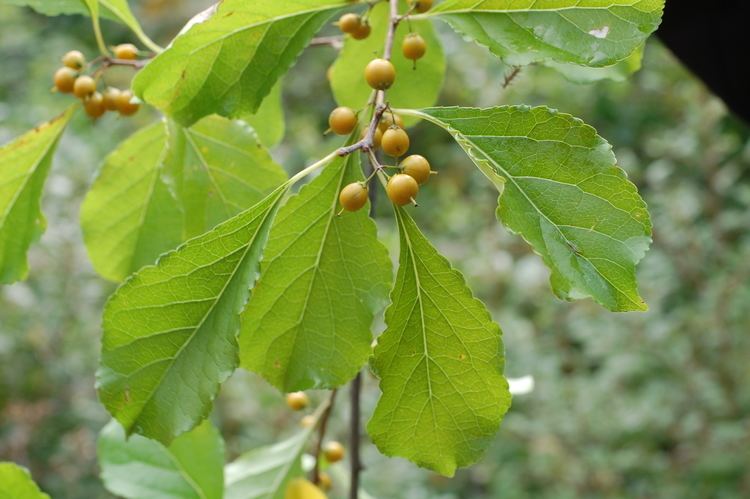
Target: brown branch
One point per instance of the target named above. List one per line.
(511, 76)
(322, 427)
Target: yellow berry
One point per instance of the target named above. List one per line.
(349, 23)
(297, 400)
(125, 104)
(401, 189)
(395, 142)
(84, 86)
(110, 97)
(354, 196)
(422, 5)
(74, 59)
(362, 31)
(299, 488)
(126, 51)
(94, 105)
(389, 119)
(413, 47)
(65, 79)
(342, 120)
(417, 167)
(333, 451)
(380, 74)
(324, 482)
(377, 138)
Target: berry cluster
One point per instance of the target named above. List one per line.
(72, 78)
(389, 135)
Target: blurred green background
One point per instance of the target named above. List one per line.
(653, 405)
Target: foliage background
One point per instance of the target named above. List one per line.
(635, 405)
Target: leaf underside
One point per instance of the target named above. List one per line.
(323, 278)
(563, 192)
(440, 363)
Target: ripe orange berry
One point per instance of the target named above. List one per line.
(401, 189)
(422, 5)
(84, 86)
(297, 400)
(126, 51)
(65, 79)
(417, 167)
(349, 23)
(414, 46)
(342, 120)
(380, 74)
(94, 105)
(395, 142)
(110, 97)
(125, 104)
(333, 451)
(389, 119)
(74, 59)
(354, 196)
(362, 31)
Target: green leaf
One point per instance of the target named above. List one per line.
(617, 72)
(440, 363)
(593, 33)
(218, 168)
(230, 62)
(169, 332)
(129, 216)
(323, 278)
(263, 473)
(137, 467)
(414, 87)
(16, 483)
(268, 121)
(114, 10)
(564, 193)
(24, 165)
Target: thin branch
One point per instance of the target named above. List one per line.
(511, 76)
(135, 64)
(354, 429)
(322, 427)
(335, 42)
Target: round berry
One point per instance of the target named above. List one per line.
(125, 104)
(422, 5)
(110, 97)
(65, 79)
(362, 31)
(333, 451)
(342, 120)
(389, 119)
(377, 138)
(74, 59)
(414, 46)
(395, 142)
(297, 400)
(299, 488)
(126, 51)
(401, 189)
(349, 23)
(84, 86)
(94, 105)
(380, 74)
(324, 482)
(417, 167)
(354, 196)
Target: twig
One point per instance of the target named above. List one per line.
(322, 426)
(135, 64)
(511, 76)
(336, 42)
(354, 429)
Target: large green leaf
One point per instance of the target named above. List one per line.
(129, 216)
(24, 165)
(414, 87)
(268, 121)
(616, 72)
(563, 192)
(264, 472)
(137, 467)
(169, 336)
(440, 363)
(16, 483)
(588, 33)
(323, 277)
(229, 63)
(218, 168)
